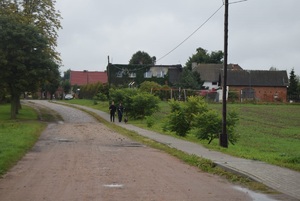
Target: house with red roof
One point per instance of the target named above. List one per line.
(87, 77)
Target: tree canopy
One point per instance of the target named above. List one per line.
(28, 35)
(141, 57)
(24, 61)
(39, 13)
(202, 56)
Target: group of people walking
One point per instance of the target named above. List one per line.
(113, 109)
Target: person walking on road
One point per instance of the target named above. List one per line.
(120, 112)
(112, 109)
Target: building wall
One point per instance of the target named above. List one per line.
(159, 71)
(264, 94)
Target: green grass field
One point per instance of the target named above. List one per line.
(268, 132)
(17, 136)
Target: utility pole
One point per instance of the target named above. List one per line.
(223, 135)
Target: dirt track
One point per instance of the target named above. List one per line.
(88, 161)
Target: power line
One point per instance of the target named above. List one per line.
(190, 34)
(238, 1)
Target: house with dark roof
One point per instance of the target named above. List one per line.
(87, 77)
(134, 74)
(210, 73)
(259, 85)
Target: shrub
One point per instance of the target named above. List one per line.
(137, 104)
(143, 104)
(150, 121)
(178, 123)
(208, 126)
(195, 116)
(182, 113)
(100, 96)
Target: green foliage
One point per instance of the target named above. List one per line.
(17, 137)
(182, 114)
(202, 56)
(150, 121)
(41, 14)
(195, 116)
(208, 126)
(92, 91)
(149, 86)
(233, 96)
(190, 80)
(100, 96)
(293, 89)
(143, 104)
(156, 89)
(178, 123)
(25, 60)
(137, 104)
(141, 57)
(66, 85)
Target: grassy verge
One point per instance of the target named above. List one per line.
(17, 137)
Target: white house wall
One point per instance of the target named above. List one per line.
(156, 71)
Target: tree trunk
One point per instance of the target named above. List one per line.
(14, 106)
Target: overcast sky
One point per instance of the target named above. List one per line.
(262, 33)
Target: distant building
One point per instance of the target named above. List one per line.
(87, 77)
(259, 85)
(134, 74)
(210, 73)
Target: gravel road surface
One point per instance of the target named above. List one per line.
(81, 159)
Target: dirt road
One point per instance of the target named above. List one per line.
(87, 161)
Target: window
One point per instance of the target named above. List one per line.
(161, 74)
(148, 74)
(132, 75)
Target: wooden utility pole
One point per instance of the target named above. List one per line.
(223, 135)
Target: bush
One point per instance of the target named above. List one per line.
(208, 126)
(195, 116)
(143, 104)
(138, 104)
(150, 121)
(182, 114)
(178, 123)
(100, 96)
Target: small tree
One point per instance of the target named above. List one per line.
(182, 114)
(208, 126)
(143, 104)
(195, 116)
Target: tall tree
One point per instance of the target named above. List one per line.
(293, 85)
(141, 57)
(202, 56)
(24, 61)
(40, 13)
